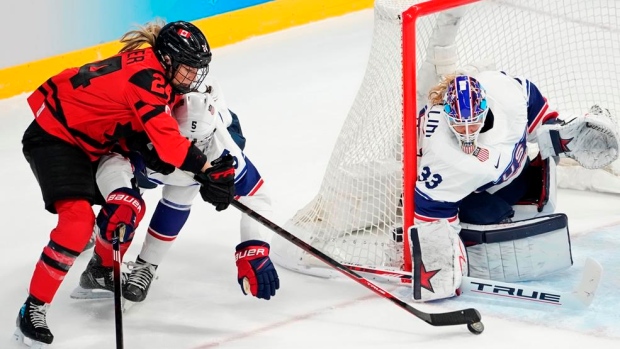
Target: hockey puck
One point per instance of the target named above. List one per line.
(476, 327)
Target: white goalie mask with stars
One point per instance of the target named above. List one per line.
(195, 114)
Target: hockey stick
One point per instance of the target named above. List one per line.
(581, 297)
(118, 307)
(469, 317)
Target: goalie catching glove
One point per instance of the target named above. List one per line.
(218, 182)
(256, 274)
(591, 140)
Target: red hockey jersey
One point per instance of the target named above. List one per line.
(101, 103)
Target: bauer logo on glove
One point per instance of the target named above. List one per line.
(256, 273)
(122, 206)
(251, 252)
(122, 198)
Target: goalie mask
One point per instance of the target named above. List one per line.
(196, 115)
(465, 107)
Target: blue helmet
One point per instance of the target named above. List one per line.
(465, 105)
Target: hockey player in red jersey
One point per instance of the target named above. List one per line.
(80, 115)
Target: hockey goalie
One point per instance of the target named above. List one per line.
(488, 145)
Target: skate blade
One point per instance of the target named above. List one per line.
(19, 338)
(83, 293)
(126, 304)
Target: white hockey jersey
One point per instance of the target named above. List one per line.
(180, 188)
(446, 174)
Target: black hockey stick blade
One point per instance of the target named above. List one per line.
(469, 317)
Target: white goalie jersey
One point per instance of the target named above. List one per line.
(446, 174)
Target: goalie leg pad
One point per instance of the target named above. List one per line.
(439, 260)
(518, 251)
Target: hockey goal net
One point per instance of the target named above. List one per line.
(569, 48)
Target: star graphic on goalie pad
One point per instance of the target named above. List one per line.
(564, 144)
(426, 276)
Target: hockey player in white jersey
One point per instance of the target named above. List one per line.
(203, 120)
(474, 171)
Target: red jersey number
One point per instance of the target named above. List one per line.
(159, 84)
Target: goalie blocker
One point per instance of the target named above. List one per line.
(516, 251)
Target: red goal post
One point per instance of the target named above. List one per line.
(410, 110)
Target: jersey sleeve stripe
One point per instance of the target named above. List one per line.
(425, 219)
(147, 111)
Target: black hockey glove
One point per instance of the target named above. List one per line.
(218, 182)
(155, 163)
(141, 144)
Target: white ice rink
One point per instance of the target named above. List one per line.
(292, 91)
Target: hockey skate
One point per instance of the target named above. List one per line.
(97, 281)
(32, 324)
(138, 282)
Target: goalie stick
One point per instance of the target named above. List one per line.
(470, 317)
(581, 297)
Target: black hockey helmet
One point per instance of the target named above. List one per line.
(183, 43)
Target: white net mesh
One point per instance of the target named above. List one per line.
(569, 48)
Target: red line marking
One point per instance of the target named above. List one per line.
(286, 322)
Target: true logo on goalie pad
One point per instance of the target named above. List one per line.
(504, 291)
